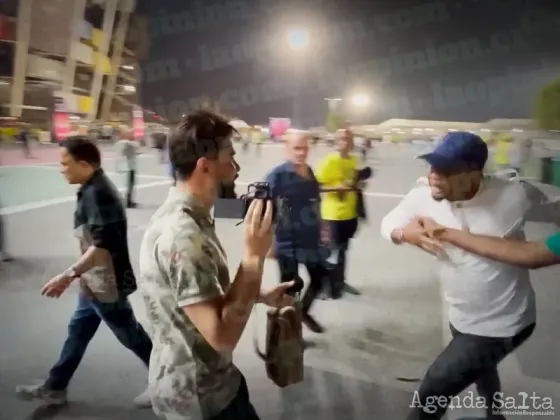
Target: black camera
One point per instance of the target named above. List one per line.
(236, 208)
(260, 191)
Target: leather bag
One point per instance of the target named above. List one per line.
(283, 355)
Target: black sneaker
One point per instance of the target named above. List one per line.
(336, 294)
(312, 324)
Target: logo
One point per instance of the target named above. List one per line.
(521, 404)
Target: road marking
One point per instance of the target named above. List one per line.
(164, 180)
(383, 195)
(107, 173)
(60, 200)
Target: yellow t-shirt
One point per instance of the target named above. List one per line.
(502, 153)
(334, 171)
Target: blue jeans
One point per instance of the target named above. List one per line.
(83, 325)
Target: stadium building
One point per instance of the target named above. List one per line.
(86, 52)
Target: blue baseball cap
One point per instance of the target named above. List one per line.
(457, 150)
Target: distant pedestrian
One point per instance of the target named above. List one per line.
(4, 257)
(25, 138)
(127, 155)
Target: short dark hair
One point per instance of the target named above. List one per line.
(201, 133)
(83, 149)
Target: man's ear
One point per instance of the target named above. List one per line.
(202, 164)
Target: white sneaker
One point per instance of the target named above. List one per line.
(144, 400)
(39, 392)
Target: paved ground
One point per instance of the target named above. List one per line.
(393, 330)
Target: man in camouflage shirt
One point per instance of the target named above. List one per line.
(197, 315)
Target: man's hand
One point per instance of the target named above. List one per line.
(56, 286)
(415, 234)
(433, 229)
(277, 297)
(259, 229)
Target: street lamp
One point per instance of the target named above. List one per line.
(360, 100)
(298, 39)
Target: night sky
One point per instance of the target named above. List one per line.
(444, 60)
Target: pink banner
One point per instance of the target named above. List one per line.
(61, 122)
(279, 126)
(138, 126)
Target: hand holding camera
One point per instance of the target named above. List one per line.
(259, 228)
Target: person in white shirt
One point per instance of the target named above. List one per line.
(491, 304)
(127, 151)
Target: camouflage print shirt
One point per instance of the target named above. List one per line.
(182, 263)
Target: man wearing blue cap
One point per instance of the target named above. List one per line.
(491, 305)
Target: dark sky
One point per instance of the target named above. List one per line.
(469, 60)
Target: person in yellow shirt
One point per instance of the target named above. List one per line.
(339, 205)
(502, 151)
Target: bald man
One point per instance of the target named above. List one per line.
(298, 238)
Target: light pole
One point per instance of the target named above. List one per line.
(298, 40)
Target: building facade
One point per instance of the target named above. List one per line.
(83, 51)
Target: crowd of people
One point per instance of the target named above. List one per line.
(197, 312)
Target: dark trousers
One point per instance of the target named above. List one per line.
(319, 276)
(342, 231)
(83, 325)
(26, 148)
(467, 359)
(240, 408)
(131, 181)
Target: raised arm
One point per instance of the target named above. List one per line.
(535, 254)
(220, 317)
(397, 219)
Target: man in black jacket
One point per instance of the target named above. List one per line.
(105, 273)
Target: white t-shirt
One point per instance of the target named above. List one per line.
(485, 297)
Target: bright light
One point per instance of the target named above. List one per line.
(360, 100)
(298, 39)
(333, 99)
(129, 88)
(128, 67)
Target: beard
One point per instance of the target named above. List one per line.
(227, 190)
